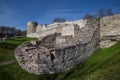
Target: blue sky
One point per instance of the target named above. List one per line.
(18, 12)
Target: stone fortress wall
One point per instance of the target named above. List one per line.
(32, 27)
(44, 30)
(68, 51)
(109, 29)
(76, 42)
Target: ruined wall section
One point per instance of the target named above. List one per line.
(109, 30)
(81, 23)
(31, 27)
(82, 35)
(110, 25)
(38, 59)
(71, 54)
(40, 28)
(69, 30)
(43, 30)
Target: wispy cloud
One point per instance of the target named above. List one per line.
(7, 16)
(70, 14)
(62, 10)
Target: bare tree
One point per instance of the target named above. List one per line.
(109, 12)
(59, 20)
(101, 12)
(7, 32)
(88, 16)
(104, 12)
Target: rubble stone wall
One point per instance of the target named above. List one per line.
(31, 27)
(54, 28)
(109, 26)
(38, 59)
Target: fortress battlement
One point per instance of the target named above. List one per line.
(34, 30)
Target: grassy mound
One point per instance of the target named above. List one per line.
(104, 64)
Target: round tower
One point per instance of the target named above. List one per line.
(31, 27)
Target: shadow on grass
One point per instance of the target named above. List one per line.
(8, 45)
(4, 75)
(46, 77)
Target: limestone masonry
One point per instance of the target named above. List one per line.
(66, 28)
(109, 28)
(61, 46)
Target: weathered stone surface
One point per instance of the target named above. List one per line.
(57, 50)
(107, 41)
(31, 27)
(40, 57)
(109, 25)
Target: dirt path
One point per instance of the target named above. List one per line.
(6, 63)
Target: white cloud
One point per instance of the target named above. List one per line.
(70, 14)
(6, 16)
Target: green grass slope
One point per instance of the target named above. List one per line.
(104, 64)
(7, 47)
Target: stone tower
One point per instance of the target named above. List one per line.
(31, 27)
